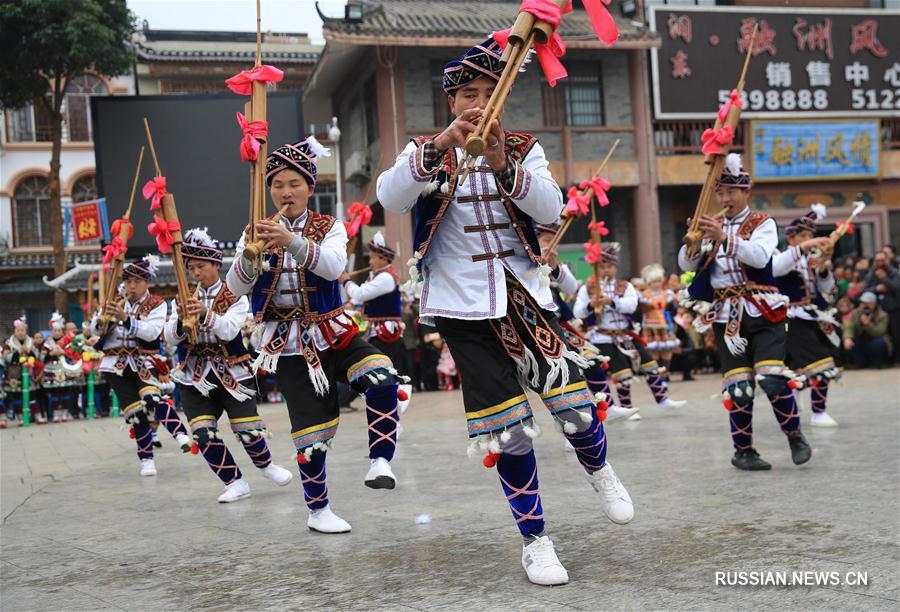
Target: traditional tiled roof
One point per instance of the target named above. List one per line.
(458, 22)
(41, 261)
(237, 47)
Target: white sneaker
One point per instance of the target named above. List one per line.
(541, 563)
(670, 403)
(239, 489)
(148, 467)
(822, 419)
(635, 417)
(380, 475)
(185, 442)
(324, 520)
(614, 413)
(277, 474)
(613, 497)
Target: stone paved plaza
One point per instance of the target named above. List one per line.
(81, 530)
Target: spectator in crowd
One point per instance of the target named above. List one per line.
(857, 284)
(890, 252)
(866, 336)
(431, 348)
(884, 281)
(841, 279)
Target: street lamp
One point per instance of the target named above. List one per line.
(334, 135)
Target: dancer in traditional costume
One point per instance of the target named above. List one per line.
(478, 260)
(309, 341)
(382, 307)
(739, 299)
(214, 375)
(564, 287)
(606, 311)
(61, 380)
(656, 330)
(18, 351)
(803, 275)
(130, 343)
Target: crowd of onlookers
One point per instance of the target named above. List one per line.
(867, 310)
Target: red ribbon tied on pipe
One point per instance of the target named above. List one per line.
(714, 139)
(112, 250)
(162, 230)
(599, 227)
(155, 188)
(116, 227)
(360, 215)
(251, 130)
(242, 82)
(577, 203)
(733, 98)
(549, 53)
(592, 252)
(841, 224)
(600, 186)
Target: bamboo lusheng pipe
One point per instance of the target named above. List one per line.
(589, 192)
(253, 250)
(109, 285)
(360, 271)
(170, 214)
(716, 162)
(526, 30)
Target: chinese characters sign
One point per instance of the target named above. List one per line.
(87, 220)
(806, 62)
(814, 150)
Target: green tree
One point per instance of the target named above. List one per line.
(44, 44)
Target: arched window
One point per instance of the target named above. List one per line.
(31, 212)
(78, 116)
(84, 189)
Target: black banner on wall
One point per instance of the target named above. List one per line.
(806, 62)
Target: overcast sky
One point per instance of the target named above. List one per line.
(236, 15)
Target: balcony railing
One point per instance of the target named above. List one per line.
(683, 137)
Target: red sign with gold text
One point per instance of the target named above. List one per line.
(87, 221)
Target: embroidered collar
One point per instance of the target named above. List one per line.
(212, 289)
(297, 224)
(140, 301)
(738, 218)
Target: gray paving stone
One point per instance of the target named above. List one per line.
(81, 530)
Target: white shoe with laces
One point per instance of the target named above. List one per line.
(239, 489)
(541, 563)
(277, 474)
(615, 413)
(635, 417)
(670, 403)
(324, 520)
(380, 475)
(148, 467)
(822, 419)
(614, 498)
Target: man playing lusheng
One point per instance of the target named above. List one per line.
(479, 258)
(214, 375)
(309, 341)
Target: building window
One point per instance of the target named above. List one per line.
(78, 115)
(85, 189)
(28, 124)
(439, 107)
(576, 100)
(31, 212)
(324, 198)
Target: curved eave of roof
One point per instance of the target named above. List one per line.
(289, 57)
